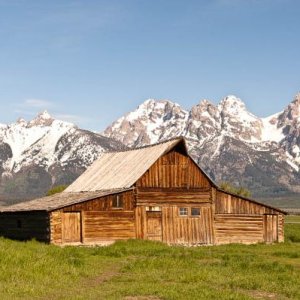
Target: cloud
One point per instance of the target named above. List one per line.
(70, 118)
(37, 103)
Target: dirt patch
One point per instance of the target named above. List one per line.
(141, 298)
(256, 294)
(113, 271)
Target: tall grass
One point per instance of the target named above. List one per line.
(141, 268)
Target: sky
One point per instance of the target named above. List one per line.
(90, 62)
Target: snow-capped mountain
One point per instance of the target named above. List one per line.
(228, 141)
(45, 152)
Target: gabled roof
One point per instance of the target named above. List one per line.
(115, 170)
(58, 200)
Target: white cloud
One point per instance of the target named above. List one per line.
(37, 103)
(69, 118)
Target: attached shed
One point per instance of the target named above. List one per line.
(156, 192)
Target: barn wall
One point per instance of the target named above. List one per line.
(100, 221)
(235, 228)
(187, 230)
(174, 169)
(107, 226)
(280, 228)
(239, 220)
(228, 204)
(25, 225)
(176, 229)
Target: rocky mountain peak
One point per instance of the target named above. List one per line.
(232, 105)
(42, 119)
(294, 108)
(21, 121)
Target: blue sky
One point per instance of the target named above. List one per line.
(92, 61)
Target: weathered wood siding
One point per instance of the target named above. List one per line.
(176, 229)
(280, 228)
(239, 220)
(99, 220)
(174, 181)
(25, 226)
(107, 226)
(229, 204)
(174, 169)
(153, 196)
(237, 228)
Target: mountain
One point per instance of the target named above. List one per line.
(44, 152)
(227, 141)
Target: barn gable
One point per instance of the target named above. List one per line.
(174, 169)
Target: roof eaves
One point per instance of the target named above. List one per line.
(252, 200)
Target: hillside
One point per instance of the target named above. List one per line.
(44, 152)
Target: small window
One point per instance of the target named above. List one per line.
(19, 224)
(195, 212)
(153, 208)
(183, 211)
(117, 201)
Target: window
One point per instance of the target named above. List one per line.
(195, 211)
(183, 211)
(117, 201)
(153, 208)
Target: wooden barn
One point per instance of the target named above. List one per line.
(156, 193)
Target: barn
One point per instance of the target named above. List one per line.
(156, 193)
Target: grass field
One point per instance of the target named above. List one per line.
(145, 270)
(292, 219)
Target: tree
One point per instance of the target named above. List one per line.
(56, 189)
(241, 191)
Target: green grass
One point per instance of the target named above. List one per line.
(140, 268)
(292, 219)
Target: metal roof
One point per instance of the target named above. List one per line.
(58, 200)
(115, 170)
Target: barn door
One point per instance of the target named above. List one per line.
(71, 227)
(270, 228)
(154, 225)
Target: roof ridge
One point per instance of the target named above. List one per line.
(147, 146)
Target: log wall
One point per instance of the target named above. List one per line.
(176, 229)
(25, 226)
(174, 169)
(239, 220)
(229, 204)
(236, 228)
(99, 220)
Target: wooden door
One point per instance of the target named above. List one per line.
(270, 228)
(154, 226)
(71, 227)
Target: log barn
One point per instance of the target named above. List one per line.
(156, 192)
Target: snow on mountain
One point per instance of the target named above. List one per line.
(271, 132)
(42, 132)
(149, 123)
(226, 139)
(54, 151)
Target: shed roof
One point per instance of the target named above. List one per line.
(115, 170)
(58, 200)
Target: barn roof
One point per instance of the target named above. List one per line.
(111, 173)
(58, 200)
(114, 170)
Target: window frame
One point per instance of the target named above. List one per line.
(117, 202)
(198, 215)
(180, 210)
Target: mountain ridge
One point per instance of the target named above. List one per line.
(227, 141)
